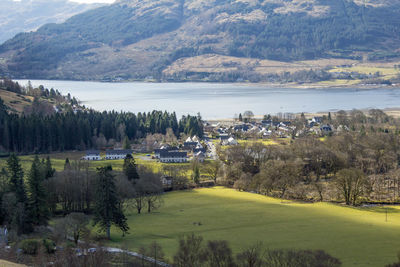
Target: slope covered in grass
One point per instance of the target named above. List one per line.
(357, 236)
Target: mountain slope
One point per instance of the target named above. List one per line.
(135, 39)
(28, 15)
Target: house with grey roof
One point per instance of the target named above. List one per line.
(117, 153)
(173, 157)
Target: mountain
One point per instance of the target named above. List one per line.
(175, 39)
(29, 15)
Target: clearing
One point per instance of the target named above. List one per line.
(357, 236)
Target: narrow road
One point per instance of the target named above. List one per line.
(131, 253)
(135, 254)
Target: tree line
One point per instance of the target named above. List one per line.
(30, 200)
(81, 130)
(359, 163)
(29, 90)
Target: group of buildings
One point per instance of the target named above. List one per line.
(111, 154)
(174, 154)
(281, 128)
(191, 149)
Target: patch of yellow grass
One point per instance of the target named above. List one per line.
(338, 82)
(386, 72)
(15, 101)
(266, 142)
(4, 263)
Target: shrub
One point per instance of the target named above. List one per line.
(317, 258)
(30, 246)
(49, 245)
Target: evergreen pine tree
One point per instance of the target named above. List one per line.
(240, 117)
(196, 174)
(130, 168)
(37, 196)
(126, 144)
(303, 117)
(3, 190)
(67, 165)
(107, 206)
(16, 180)
(49, 171)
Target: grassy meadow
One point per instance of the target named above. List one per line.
(142, 159)
(357, 236)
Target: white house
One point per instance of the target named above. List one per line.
(230, 142)
(92, 155)
(117, 154)
(173, 157)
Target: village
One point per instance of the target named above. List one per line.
(279, 129)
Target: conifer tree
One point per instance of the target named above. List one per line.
(16, 180)
(37, 196)
(126, 143)
(3, 190)
(67, 165)
(196, 174)
(49, 171)
(107, 205)
(130, 168)
(18, 217)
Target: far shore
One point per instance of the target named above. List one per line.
(319, 85)
(394, 112)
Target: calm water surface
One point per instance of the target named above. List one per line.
(215, 100)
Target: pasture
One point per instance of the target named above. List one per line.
(357, 236)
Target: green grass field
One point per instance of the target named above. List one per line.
(58, 161)
(357, 236)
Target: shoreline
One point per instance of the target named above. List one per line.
(394, 112)
(305, 86)
(243, 87)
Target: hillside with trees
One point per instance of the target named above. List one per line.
(141, 39)
(53, 122)
(28, 15)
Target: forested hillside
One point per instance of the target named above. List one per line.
(53, 122)
(28, 15)
(138, 39)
